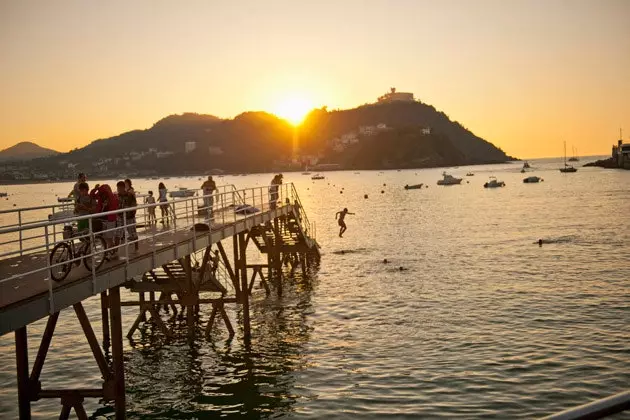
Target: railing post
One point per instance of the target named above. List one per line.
(92, 248)
(20, 226)
(126, 237)
(51, 300)
(174, 219)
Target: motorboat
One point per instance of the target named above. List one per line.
(318, 176)
(532, 179)
(493, 183)
(470, 174)
(526, 165)
(182, 192)
(413, 187)
(449, 180)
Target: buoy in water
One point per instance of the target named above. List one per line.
(365, 196)
(382, 192)
(385, 261)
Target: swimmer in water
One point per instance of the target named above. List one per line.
(342, 224)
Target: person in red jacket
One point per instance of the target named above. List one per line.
(106, 201)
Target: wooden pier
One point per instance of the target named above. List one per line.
(187, 263)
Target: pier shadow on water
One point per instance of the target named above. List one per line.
(180, 379)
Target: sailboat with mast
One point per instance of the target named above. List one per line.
(574, 158)
(567, 168)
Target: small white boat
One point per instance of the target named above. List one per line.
(449, 180)
(318, 176)
(532, 179)
(493, 183)
(182, 192)
(413, 187)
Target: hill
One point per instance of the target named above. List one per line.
(24, 151)
(384, 135)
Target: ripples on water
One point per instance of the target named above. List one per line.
(482, 322)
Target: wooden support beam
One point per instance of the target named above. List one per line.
(43, 347)
(237, 267)
(226, 260)
(91, 338)
(244, 286)
(117, 352)
(105, 319)
(191, 292)
(21, 362)
(204, 265)
(303, 264)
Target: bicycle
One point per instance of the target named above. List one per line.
(64, 252)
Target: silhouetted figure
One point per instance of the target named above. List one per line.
(162, 199)
(208, 187)
(342, 224)
(540, 242)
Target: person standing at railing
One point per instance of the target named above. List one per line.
(151, 200)
(107, 201)
(162, 199)
(129, 188)
(75, 190)
(84, 205)
(273, 191)
(127, 200)
(208, 187)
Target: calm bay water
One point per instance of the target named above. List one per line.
(482, 322)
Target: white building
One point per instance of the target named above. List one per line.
(394, 96)
(190, 146)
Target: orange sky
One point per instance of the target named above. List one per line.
(525, 75)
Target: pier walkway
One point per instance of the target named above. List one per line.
(178, 261)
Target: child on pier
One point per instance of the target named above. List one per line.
(342, 224)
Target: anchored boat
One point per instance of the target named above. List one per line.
(493, 183)
(449, 180)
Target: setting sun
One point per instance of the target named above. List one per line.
(293, 109)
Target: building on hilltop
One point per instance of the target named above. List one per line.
(393, 96)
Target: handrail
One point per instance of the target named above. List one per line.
(35, 225)
(596, 409)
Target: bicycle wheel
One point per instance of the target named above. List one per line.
(99, 249)
(60, 254)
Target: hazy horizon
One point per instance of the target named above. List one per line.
(524, 75)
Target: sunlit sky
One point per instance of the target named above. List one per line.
(525, 75)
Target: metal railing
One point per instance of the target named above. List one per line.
(597, 409)
(229, 206)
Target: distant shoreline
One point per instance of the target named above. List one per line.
(161, 177)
